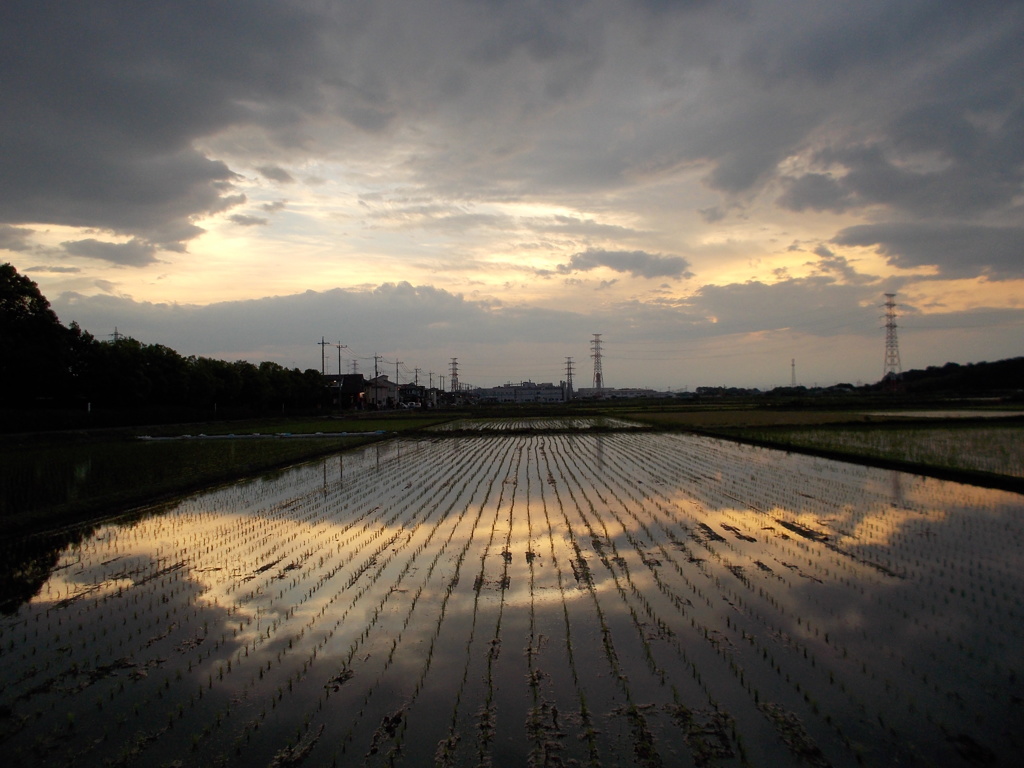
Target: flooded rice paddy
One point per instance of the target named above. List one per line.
(609, 599)
(536, 423)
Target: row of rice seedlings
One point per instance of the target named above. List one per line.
(644, 528)
(424, 521)
(415, 622)
(535, 423)
(632, 712)
(472, 685)
(99, 579)
(668, 594)
(302, 639)
(156, 584)
(647, 561)
(689, 701)
(901, 532)
(985, 449)
(905, 666)
(577, 703)
(746, 628)
(382, 609)
(379, 611)
(487, 715)
(543, 735)
(418, 721)
(266, 638)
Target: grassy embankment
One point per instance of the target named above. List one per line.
(54, 479)
(986, 452)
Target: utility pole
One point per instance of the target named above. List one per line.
(792, 377)
(454, 374)
(568, 379)
(340, 347)
(595, 345)
(323, 356)
(375, 359)
(416, 376)
(431, 379)
(892, 372)
(355, 366)
(397, 363)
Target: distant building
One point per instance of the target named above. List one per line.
(605, 393)
(415, 395)
(347, 390)
(381, 393)
(524, 392)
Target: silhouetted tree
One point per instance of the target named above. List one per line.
(34, 346)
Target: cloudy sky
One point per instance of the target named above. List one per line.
(716, 187)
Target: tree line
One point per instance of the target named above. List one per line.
(45, 365)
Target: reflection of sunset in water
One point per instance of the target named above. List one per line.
(520, 596)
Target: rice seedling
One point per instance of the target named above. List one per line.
(609, 598)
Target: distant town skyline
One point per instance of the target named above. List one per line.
(716, 188)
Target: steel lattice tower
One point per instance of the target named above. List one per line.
(568, 378)
(595, 344)
(892, 369)
(454, 377)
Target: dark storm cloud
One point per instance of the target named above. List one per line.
(636, 263)
(101, 103)
(134, 253)
(940, 132)
(122, 117)
(816, 192)
(957, 250)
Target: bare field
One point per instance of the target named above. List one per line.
(610, 599)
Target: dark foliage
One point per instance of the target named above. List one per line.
(1004, 377)
(44, 364)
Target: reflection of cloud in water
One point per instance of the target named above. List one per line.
(412, 586)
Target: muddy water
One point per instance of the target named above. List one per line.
(615, 599)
